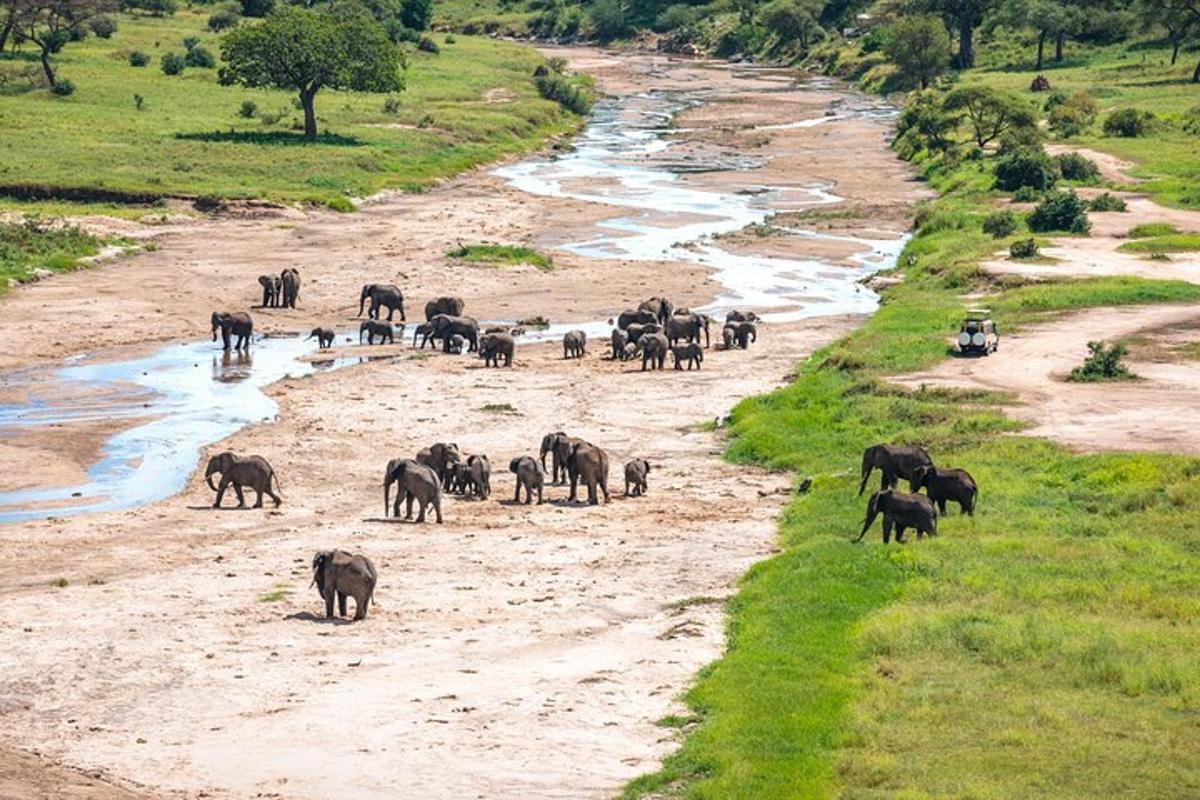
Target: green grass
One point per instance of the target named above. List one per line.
(472, 104)
(1148, 229)
(1171, 243)
(36, 243)
(280, 592)
(499, 408)
(500, 255)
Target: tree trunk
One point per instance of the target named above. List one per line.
(1174, 52)
(1196, 74)
(46, 68)
(310, 116)
(966, 46)
(1041, 49)
(1059, 41)
(7, 30)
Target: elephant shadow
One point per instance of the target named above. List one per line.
(400, 520)
(234, 507)
(319, 619)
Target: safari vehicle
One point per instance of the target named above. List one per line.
(978, 333)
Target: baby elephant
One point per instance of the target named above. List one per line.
(374, 328)
(619, 340)
(241, 471)
(496, 346)
(530, 475)
(574, 344)
(270, 287)
(455, 345)
(635, 477)
(691, 353)
(946, 484)
(337, 573)
(324, 337)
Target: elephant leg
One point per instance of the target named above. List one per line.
(900, 534)
(408, 501)
(278, 500)
(437, 509)
(240, 496)
(361, 601)
(941, 503)
(421, 510)
(539, 495)
(604, 488)
(329, 603)
(887, 529)
(396, 503)
(258, 498)
(221, 487)
(391, 313)
(341, 604)
(517, 492)
(574, 483)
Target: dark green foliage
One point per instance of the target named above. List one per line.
(1023, 248)
(197, 56)
(919, 47)
(1025, 167)
(1000, 224)
(989, 112)
(1073, 115)
(248, 109)
(1027, 194)
(1128, 122)
(790, 21)
(1106, 202)
(103, 26)
(158, 8)
(223, 19)
(415, 14)
(565, 92)
(172, 64)
(609, 20)
(1103, 364)
(1076, 167)
(257, 8)
(138, 59)
(923, 125)
(63, 88)
(1060, 211)
(428, 45)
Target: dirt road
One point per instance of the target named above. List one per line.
(514, 651)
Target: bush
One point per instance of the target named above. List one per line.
(450, 39)
(223, 19)
(157, 8)
(1075, 167)
(103, 26)
(139, 102)
(1028, 194)
(608, 19)
(676, 17)
(427, 45)
(172, 64)
(1106, 202)
(415, 14)
(1060, 211)
(1149, 229)
(1025, 167)
(199, 57)
(248, 109)
(391, 104)
(1103, 364)
(560, 89)
(138, 59)
(1000, 224)
(1024, 248)
(790, 22)
(874, 41)
(63, 88)
(257, 8)
(1128, 122)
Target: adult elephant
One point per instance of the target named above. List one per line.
(443, 326)
(413, 482)
(943, 485)
(289, 281)
(450, 306)
(895, 462)
(237, 324)
(901, 511)
(661, 307)
(374, 329)
(339, 574)
(441, 457)
(632, 315)
(588, 463)
(637, 330)
(740, 333)
(558, 445)
(240, 472)
(387, 295)
(479, 475)
(654, 348)
(687, 326)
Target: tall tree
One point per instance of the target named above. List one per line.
(963, 17)
(338, 47)
(919, 47)
(51, 24)
(990, 112)
(1180, 18)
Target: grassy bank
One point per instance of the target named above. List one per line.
(1044, 648)
(472, 103)
(36, 244)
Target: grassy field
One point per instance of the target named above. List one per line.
(1044, 648)
(471, 104)
(495, 255)
(34, 243)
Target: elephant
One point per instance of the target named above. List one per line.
(413, 481)
(324, 337)
(455, 345)
(443, 326)
(495, 346)
(517, 331)
(688, 327)
(383, 330)
(631, 315)
(529, 475)
(588, 463)
(692, 353)
(728, 335)
(387, 295)
(630, 351)
(440, 458)
(946, 484)
(635, 477)
(238, 324)
(450, 306)
(895, 462)
(902, 511)
(459, 479)
(619, 340)
(339, 574)
(242, 471)
(574, 344)
(558, 445)
(653, 347)
(639, 329)
(659, 306)
(270, 295)
(290, 278)
(740, 316)
(479, 476)
(424, 330)
(744, 333)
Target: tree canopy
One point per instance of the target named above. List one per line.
(990, 112)
(919, 47)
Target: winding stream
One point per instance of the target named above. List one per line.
(191, 395)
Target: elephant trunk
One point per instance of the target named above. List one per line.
(208, 479)
(871, 514)
(387, 490)
(866, 472)
(362, 299)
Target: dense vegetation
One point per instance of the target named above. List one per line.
(34, 243)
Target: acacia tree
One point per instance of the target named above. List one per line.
(338, 47)
(1181, 18)
(991, 112)
(51, 24)
(962, 17)
(919, 47)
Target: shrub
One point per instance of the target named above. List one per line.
(1024, 167)
(248, 109)
(1106, 202)
(1060, 211)
(190, 41)
(199, 57)
(1128, 122)
(223, 19)
(450, 39)
(609, 20)
(391, 104)
(157, 8)
(790, 22)
(1148, 229)
(1023, 248)
(139, 102)
(1028, 194)
(1102, 364)
(172, 64)
(103, 26)
(1000, 224)
(1068, 122)
(63, 88)
(138, 59)
(1075, 167)
(676, 17)
(560, 89)
(874, 41)
(257, 8)
(427, 45)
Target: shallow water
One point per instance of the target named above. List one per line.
(187, 396)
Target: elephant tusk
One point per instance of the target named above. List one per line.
(208, 480)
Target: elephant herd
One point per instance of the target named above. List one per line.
(656, 329)
(280, 291)
(904, 510)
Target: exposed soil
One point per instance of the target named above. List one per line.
(514, 651)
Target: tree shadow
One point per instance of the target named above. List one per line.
(308, 616)
(284, 138)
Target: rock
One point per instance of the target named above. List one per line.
(13, 283)
(879, 282)
(41, 273)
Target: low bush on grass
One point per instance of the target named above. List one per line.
(1102, 364)
(496, 254)
(568, 93)
(172, 64)
(1170, 243)
(1025, 167)
(1076, 167)
(1106, 202)
(1129, 123)
(46, 244)
(1023, 248)
(1000, 224)
(138, 59)
(1060, 211)
(1147, 229)
(63, 88)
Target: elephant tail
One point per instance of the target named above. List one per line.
(275, 480)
